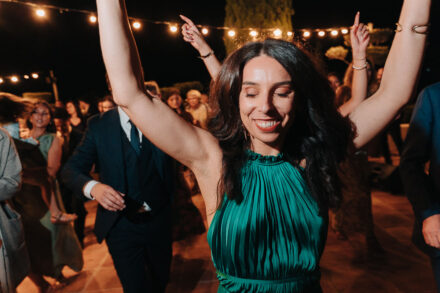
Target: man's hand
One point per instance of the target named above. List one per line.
(107, 197)
(431, 231)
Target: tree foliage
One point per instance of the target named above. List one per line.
(260, 15)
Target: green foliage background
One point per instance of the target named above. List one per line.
(259, 15)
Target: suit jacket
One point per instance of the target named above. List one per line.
(422, 145)
(10, 167)
(102, 145)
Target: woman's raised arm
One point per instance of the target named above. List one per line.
(400, 72)
(188, 144)
(359, 39)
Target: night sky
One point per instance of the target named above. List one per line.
(68, 44)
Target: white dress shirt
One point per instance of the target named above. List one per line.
(126, 127)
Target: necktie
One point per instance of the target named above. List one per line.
(134, 138)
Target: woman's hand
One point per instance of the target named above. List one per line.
(359, 38)
(192, 35)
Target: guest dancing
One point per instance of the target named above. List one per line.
(51, 147)
(267, 168)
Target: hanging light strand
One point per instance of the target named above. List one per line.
(16, 78)
(173, 26)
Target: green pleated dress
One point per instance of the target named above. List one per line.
(273, 240)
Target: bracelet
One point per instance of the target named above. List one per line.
(360, 67)
(207, 55)
(414, 28)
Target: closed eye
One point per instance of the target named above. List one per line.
(284, 94)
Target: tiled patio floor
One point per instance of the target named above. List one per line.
(345, 265)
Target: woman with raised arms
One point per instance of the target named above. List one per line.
(267, 166)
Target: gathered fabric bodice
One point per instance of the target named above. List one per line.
(273, 239)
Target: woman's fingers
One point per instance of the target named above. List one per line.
(187, 35)
(187, 20)
(356, 19)
(354, 28)
(366, 35)
(362, 32)
(189, 25)
(361, 28)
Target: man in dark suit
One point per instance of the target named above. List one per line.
(422, 145)
(134, 198)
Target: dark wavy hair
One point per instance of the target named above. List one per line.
(318, 134)
(12, 107)
(75, 103)
(171, 92)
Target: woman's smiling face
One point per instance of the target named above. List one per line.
(266, 103)
(40, 117)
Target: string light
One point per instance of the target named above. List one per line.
(17, 78)
(253, 33)
(173, 28)
(136, 25)
(41, 12)
(93, 19)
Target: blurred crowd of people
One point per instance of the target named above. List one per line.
(45, 136)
